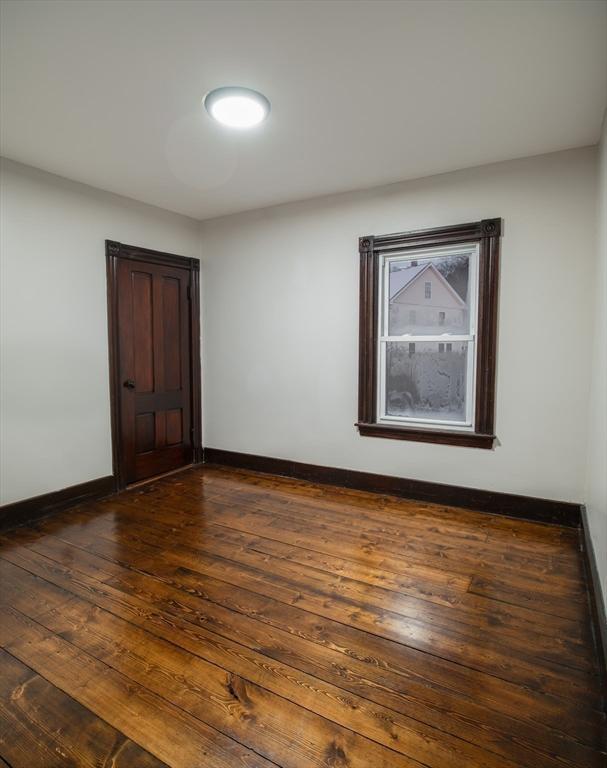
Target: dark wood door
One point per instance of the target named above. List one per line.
(154, 381)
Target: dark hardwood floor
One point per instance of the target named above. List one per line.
(226, 618)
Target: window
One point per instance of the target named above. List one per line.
(409, 388)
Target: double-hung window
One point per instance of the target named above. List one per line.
(440, 286)
(424, 293)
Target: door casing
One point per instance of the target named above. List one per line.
(114, 251)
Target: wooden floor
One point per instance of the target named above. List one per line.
(225, 618)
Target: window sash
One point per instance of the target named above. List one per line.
(384, 338)
(430, 337)
(466, 425)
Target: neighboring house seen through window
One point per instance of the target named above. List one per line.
(419, 299)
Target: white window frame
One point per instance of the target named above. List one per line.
(472, 250)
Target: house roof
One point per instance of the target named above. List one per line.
(401, 278)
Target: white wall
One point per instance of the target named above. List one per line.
(55, 413)
(596, 487)
(280, 325)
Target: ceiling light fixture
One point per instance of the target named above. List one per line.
(237, 107)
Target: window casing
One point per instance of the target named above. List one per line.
(427, 356)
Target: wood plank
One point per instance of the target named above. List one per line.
(222, 665)
(383, 521)
(183, 567)
(411, 578)
(40, 726)
(280, 622)
(245, 551)
(175, 517)
(277, 558)
(198, 640)
(540, 601)
(429, 551)
(573, 611)
(169, 733)
(357, 504)
(426, 683)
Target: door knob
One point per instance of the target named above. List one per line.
(129, 384)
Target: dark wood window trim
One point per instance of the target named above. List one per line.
(113, 252)
(487, 234)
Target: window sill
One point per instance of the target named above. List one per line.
(441, 436)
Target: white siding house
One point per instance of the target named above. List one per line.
(422, 301)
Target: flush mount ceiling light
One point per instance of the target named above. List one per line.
(237, 107)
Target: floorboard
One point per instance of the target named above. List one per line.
(219, 617)
(41, 725)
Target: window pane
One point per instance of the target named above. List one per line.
(429, 296)
(426, 380)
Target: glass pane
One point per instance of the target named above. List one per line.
(429, 296)
(426, 380)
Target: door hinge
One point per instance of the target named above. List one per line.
(189, 293)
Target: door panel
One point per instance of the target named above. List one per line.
(143, 350)
(174, 426)
(154, 365)
(171, 331)
(145, 432)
